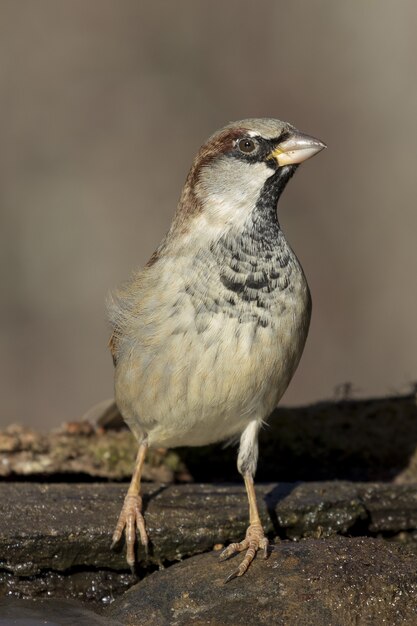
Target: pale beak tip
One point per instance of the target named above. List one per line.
(298, 148)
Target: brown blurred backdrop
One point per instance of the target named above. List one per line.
(103, 105)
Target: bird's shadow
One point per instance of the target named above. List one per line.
(359, 440)
(150, 495)
(278, 493)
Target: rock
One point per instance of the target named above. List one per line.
(336, 582)
(80, 451)
(329, 507)
(49, 613)
(60, 527)
(70, 525)
(370, 440)
(55, 538)
(97, 587)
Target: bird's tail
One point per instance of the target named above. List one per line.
(105, 414)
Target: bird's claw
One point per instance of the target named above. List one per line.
(255, 540)
(131, 518)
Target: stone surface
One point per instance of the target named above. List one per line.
(68, 525)
(64, 526)
(49, 613)
(334, 582)
(55, 538)
(98, 588)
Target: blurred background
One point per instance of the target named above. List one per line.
(103, 106)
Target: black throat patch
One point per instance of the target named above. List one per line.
(257, 260)
(248, 269)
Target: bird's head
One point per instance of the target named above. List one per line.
(235, 167)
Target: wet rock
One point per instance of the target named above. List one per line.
(49, 613)
(61, 526)
(55, 539)
(315, 509)
(325, 508)
(96, 587)
(336, 581)
(64, 526)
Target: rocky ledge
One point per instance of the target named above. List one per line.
(336, 582)
(342, 552)
(340, 549)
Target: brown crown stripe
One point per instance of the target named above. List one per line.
(220, 143)
(189, 205)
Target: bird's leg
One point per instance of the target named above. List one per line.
(131, 514)
(255, 538)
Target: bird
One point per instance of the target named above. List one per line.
(207, 336)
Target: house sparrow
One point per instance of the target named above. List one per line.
(208, 335)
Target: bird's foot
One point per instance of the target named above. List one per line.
(255, 540)
(131, 518)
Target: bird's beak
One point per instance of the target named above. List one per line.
(296, 149)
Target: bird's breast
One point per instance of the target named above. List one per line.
(218, 348)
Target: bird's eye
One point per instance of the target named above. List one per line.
(247, 145)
